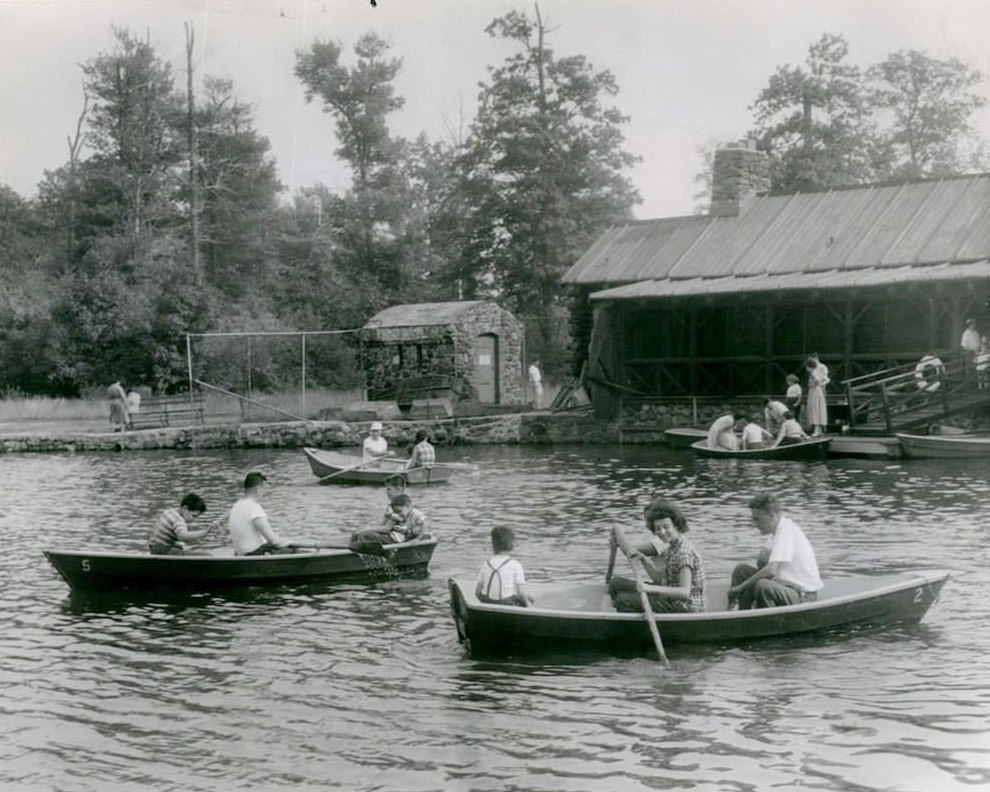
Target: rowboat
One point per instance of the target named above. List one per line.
(109, 571)
(815, 448)
(684, 436)
(581, 615)
(945, 446)
(334, 467)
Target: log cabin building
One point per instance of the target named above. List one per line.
(728, 303)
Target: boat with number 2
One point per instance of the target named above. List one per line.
(582, 615)
(100, 570)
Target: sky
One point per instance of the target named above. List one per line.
(687, 70)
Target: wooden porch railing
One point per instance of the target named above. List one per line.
(912, 394)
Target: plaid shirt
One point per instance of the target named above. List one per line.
(678, 555)
(423, 455)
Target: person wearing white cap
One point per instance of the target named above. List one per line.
(375, 446)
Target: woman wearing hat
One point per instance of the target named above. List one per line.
(375, 446)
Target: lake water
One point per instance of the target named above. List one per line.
(364, 687)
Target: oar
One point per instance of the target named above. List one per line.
(349, 469)
(643, 596)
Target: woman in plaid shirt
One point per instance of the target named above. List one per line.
(676, 568)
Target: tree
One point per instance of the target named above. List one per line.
(545, 172)
(929, 104)
(812, 122)
(133, 132)
(361, 98)
(239, 186)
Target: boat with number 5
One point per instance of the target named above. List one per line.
(100, 570)
(582, 615)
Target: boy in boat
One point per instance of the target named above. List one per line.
(172, 531)
(402, 523)
(676, 570)
(786, 571)
(423, 453)
(501, 579)
(754, 435)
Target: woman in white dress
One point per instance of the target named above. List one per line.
(816, 412)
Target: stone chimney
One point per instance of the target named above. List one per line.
(739, 172)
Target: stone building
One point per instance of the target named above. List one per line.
(475, 343)
(728, 303)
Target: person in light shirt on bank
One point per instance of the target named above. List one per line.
(786, 571)
(375, 446)
(250, 531)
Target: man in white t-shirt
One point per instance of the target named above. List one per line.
(786, 572)
(248, 524)
(375, 446)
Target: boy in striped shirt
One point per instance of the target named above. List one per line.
(171, 530)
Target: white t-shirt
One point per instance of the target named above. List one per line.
(374, 447)
(752, 433)
(794, 393)
(500, 584)
(790, 548)
(241, 526)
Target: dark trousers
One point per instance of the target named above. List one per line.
(766, 592)
(627, 600)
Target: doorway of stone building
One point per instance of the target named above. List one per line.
(486, 368)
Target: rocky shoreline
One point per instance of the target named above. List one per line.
(519, 428)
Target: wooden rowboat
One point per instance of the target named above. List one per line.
(684, 436)
(101, 570)
(581, 615)
(815, 448)
(334, 467)
(945, 446)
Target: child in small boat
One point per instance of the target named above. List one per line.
(501, 579)
(402, 523)
(171, 530)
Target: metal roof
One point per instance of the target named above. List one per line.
(833, 279)
(422, 314)
(927, 222)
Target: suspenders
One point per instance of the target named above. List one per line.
(491, 578)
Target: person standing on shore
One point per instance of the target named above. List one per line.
(119, 415)
(536, 383)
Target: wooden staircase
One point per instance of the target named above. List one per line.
(909, 396)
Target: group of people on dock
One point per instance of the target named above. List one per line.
(778, 423)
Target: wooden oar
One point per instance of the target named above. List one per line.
(643, 596)
(350, 469)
